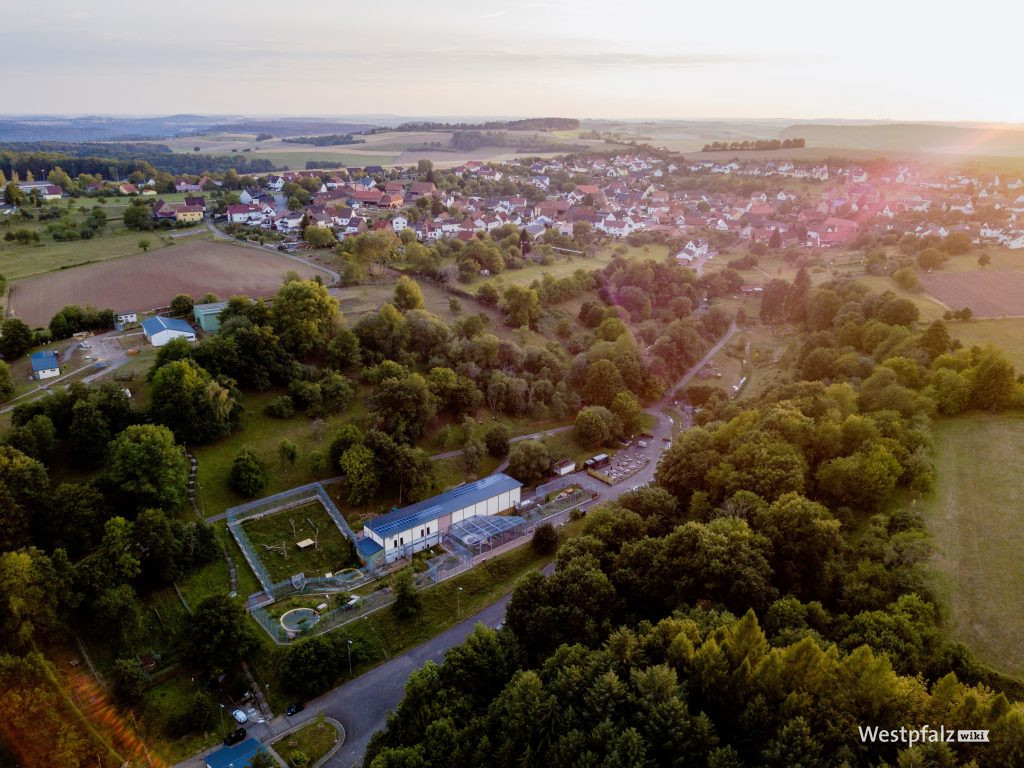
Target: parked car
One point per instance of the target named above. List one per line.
(234, 737)
(294, 709)
(239, 716)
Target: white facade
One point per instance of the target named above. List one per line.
(160, 338)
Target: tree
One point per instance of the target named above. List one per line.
(6, 382)
(931, 258)
(521, 306)
(129, 681)
(247, 476)
(288, 451)
(360, 469)
(473, 453)
(16, 338)
(627, 410)
(181, 305)
(184, 397)
(487, 294)
(496, 438)
(304, 316)
(958, 243)
(407, 600)
(984, 260)
(528, 461)
(545, 539)
(343, 350)
(118, 616)
(319, 237)
(594, 426)
(404, 407)
(13, 194)
(146, 468)
(603, 382)
(408, 294)
(218, 635)
(144, 244)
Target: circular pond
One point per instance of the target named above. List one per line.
(298, 619)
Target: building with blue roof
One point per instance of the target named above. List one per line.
(44, 365)
(421, 525)
(160, 330)
(238, 756)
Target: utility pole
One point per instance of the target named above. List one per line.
(349, 643)
(458, 601)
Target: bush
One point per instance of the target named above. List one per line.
(282, 407)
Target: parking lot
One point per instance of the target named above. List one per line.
(625, 464)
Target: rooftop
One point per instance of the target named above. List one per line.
(238, 756)
(442, 504)
(159, 323)
(43, 361)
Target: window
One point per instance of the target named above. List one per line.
(421, 533)
(402, 541)
(428, 530)
(394, 543)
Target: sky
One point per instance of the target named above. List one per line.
(894, 60)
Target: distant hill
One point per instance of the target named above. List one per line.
(528, 124)
(99, 128)
(913, 137)
(289, 126)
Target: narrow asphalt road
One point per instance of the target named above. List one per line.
(217, 233)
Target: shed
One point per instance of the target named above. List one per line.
(160, 330)
(208, 315)
(44, 365)
(564, 467)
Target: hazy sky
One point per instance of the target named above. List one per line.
(897, 59)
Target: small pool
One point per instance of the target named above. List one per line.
(298, 619)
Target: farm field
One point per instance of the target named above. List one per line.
(152, 279)
(988, 294)
(975, 518)
(283, 530)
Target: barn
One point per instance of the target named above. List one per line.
(421, 525)
(160, 330)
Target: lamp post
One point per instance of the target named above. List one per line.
(221, 719)
(349, 644)
(458, 601)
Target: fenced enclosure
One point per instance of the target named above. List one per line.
(327, 597)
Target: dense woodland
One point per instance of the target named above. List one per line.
(765, 597)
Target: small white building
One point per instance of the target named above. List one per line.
(44, 365)
(128, 317)
(160, 330)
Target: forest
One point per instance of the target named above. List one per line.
(765, 597)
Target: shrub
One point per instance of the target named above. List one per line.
(545, 539)
(282, 407)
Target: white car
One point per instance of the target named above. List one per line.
(239, 716)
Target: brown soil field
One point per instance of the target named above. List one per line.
(151, 280)
(988, 294)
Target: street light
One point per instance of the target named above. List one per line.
(349, 657)
(222, 720)
(458, 601)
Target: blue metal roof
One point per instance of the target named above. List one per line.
(238, 756)
(437, 506)
(367, 548)
(43, 361)
(153, 325)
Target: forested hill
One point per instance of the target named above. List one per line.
(111, 159)
(528, 124)
(767, 596)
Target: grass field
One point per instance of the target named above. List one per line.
(332, 552)
(975, 518)
(313, 741)
(21, 261)
(1006, 333)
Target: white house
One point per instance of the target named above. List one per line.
(399, 223)
(44, 365)
(421, 525)
(128, 317)
(160, 330)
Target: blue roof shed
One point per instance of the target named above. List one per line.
(43, 361)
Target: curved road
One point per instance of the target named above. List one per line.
(217, 233)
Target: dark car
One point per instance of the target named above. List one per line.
(234, 737)
(294, 709)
